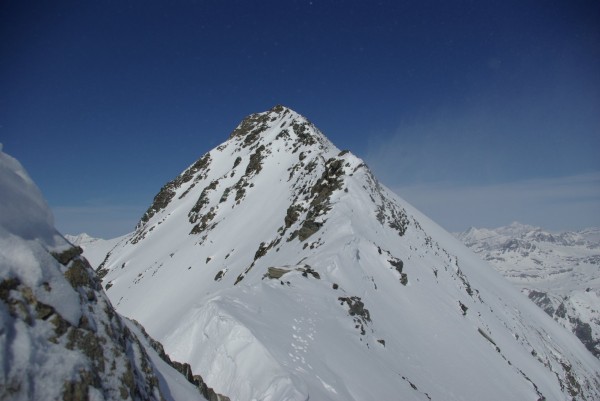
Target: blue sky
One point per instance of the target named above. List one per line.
(478, 113)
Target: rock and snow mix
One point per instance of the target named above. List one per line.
(560, 272)
(60, 338)
(280, 269)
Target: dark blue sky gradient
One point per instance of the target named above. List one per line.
(104, 101)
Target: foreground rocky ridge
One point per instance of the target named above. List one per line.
(560, 272)
(286, 271)
(60, 337)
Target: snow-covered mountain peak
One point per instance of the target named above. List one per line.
(281, 269)
(288, 125)
(82, 238)
(246, 170)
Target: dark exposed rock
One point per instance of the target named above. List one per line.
(239, 278)
(240, 189)
(306, 270)
(167, 192)
(356, 307)
(225, 195)
(255, 163)
(461, 276)
(397, 263)
(201, 202)
(309, 227)
(261, 251)
(292, 214)
(399, 266)
(387, 212)
(330, 181)
(220, 274)
(583, 331)
(205, 222)
(78, 275)
(251, 128)
(276, 272)
(68, 255)
(184, 368)
(43, 311)
(543, 301)
(303, 133)
(488, 337)
(8, 285)
(77, 390)
(283, 134)
(254, 167)
(561, 311)
(571, 383)
(463, 308)
(357, 310)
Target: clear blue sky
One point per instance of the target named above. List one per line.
(478, 113)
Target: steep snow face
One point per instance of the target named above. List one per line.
(60, 338)
(560, 272)
(280, 269)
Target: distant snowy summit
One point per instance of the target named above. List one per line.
(94, 249)
(560, 272)
(279, 268)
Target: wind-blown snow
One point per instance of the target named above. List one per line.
(280, 269)
(24, 211)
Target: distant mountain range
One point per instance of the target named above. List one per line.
(279, 268)
(560, 272)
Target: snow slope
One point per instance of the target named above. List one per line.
(560, 272)
(280, 269)
(59, 335)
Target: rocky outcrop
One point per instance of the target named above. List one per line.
(183, 368)
(72, 333)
